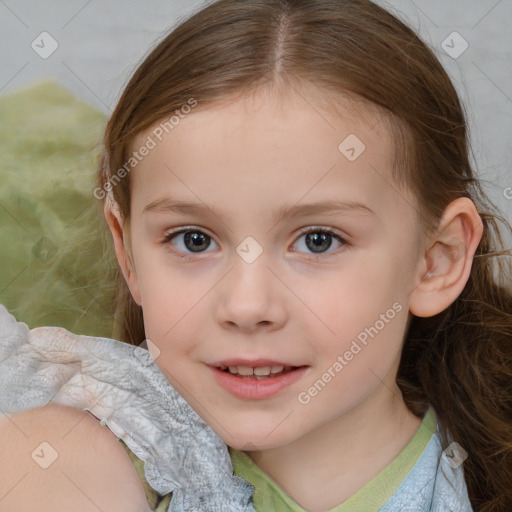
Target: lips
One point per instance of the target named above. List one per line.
(257, 387)
(253, 363)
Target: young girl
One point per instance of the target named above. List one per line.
(308, 208)
(314, 265)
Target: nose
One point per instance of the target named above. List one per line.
(251, 297)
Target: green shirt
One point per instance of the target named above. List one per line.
(268, 496)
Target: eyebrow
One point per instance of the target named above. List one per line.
(333, 207)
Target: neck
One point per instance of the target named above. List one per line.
(325, 467)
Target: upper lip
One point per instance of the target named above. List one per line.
(251, 362)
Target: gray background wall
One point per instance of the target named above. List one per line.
(100, 43)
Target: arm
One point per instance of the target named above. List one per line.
(82, 467)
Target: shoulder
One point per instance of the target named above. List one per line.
(62, 459)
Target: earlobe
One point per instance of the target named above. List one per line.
(117, 228)
(448, 260)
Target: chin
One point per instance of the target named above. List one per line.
(257, 439)
(250, 445)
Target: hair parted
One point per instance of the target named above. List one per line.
(459, 361)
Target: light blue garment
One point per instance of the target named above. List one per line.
(421, 478)
(432, 485)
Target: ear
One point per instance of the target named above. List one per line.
(446, 265)
(119, 230)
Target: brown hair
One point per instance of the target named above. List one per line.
(459, 361)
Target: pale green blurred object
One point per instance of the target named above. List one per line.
(54, 269)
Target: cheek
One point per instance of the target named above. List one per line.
(174, 313)
(163, 303)
(365, 303)
(356, 295)
(160, 289)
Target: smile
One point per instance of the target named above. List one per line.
(257, 383)
(258, 372)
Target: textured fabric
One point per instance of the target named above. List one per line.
(121, 385)
(432, 485)
(51, 229)
(156, 502)
(429, 483)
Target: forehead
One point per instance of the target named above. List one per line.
(269, 106)
(248, 141)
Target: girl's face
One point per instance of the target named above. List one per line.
(270, 233)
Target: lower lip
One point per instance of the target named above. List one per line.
(256, 389)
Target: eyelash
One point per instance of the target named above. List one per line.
(314, 229)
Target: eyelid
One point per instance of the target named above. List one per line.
(192, 227)
(169, 235)
(325, 229)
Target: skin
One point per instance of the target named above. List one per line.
(246, 159)
(83, 466)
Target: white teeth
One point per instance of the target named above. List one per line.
(262, 370)
(245, 370)
(259, 371)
